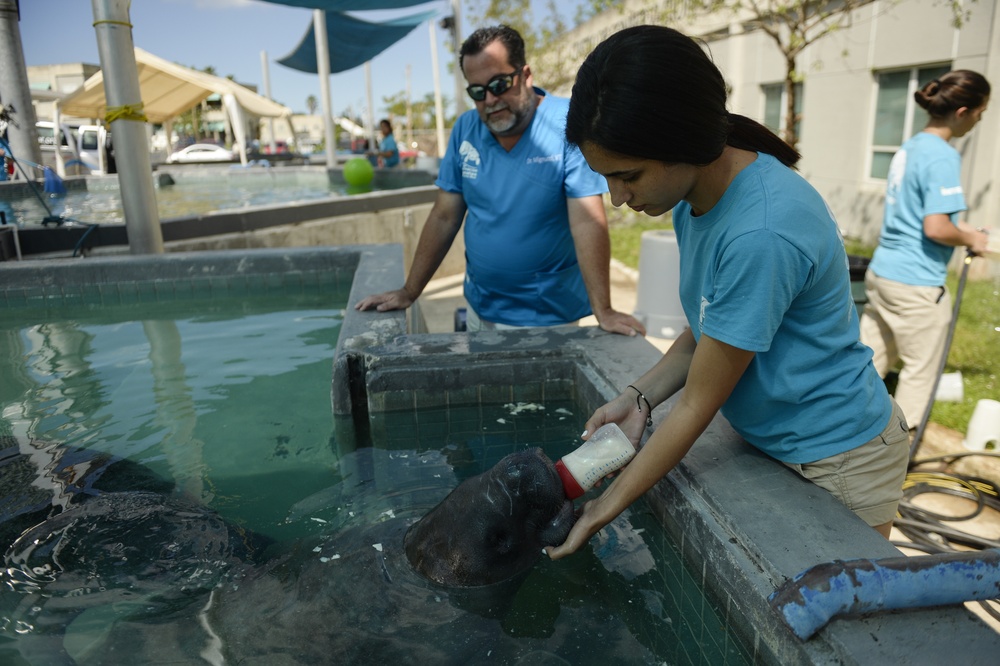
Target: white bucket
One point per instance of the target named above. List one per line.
(950, 388)
(658, 301)
(984, 426)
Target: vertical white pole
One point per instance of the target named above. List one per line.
(438, 106)
(266, 74)
(371, 106)
(409, 112)
(57, 139)
(23, 139)
(456, 11)
(323, 70)
(121, 89)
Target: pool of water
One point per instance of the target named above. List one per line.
(190, 194)
(169, 478)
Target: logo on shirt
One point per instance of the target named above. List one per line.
(949, 191)
(470, 160)
(701, 313)
(897, 169)
(538, 159)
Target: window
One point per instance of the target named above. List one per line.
(775, 103)
(897, 116)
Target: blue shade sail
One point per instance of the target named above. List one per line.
(352, 42)
(349, 5)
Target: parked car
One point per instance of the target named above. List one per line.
(201, 152)
(280, 147)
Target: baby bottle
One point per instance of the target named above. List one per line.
(607, 450)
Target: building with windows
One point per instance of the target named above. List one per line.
(855, 100)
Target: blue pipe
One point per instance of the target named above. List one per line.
(807, 602)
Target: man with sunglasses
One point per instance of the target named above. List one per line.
(536, 238)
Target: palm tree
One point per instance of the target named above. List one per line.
(311, 104)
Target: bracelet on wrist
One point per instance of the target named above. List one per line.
(640, 396)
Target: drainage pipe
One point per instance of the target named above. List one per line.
(807, 602)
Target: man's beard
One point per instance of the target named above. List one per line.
(502, 126)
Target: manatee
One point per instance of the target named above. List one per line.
(383, 592)
(492, 526)
(441, 588)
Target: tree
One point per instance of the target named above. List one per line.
(539, 42)
(794, 25)
(424, 111)
(311, 104)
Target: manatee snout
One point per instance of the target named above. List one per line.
(492, 526)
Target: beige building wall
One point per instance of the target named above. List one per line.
(840, 90)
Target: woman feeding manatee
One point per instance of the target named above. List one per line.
(773, 337)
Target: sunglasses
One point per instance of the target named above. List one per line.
(498, 85)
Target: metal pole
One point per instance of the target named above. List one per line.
(438, 106)
(371, 106)
(456, 10)
(323, 69)
(267, 93)
(14, 88)
(919, 436)
(409, 112)
(124, 113)
(57, 139)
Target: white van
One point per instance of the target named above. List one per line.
(93, 143)
(84, 148)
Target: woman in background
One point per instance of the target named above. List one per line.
(773, 337)
(909, 308)
(387, 152)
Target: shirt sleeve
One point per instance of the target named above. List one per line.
(942, 186)
(580, 180)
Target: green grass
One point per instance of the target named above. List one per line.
(975, 349)
(626, 229)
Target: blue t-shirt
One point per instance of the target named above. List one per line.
(521, 265)
(765, 270)
(389, 143)
(924, 179)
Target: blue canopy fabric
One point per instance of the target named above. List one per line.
(349, 5)
(352, 42)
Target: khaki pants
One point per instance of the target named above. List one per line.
(868, 480)
(909, 324)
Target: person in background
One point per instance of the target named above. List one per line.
(536, 238)
(388, 152)
(773, 337)
(908, 311)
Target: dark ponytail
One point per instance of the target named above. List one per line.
(652, 92)
(748, 134)
(957, 88)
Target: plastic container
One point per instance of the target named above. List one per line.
(857, 267)
(984, 426)
(657, 299)
(950, 388)
(607, 451)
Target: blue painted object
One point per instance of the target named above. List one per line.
(809, 601)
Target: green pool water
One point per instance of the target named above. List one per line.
(101, 202)
(225, 403)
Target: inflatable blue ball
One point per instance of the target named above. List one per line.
(358, 172)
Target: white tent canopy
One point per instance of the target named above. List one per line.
(168, 90)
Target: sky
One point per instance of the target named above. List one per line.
(230, 35)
